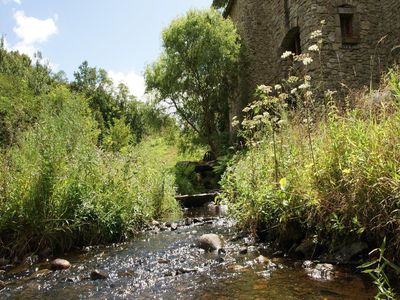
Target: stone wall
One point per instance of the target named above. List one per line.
(263, 25)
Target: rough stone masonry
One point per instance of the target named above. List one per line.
(360, 40)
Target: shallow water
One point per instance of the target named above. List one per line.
(166, 265)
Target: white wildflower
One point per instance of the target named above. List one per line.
(265, 88)
(293, 91)
(309, 94)
(278, 87)
(246, 109)
(307, 78)
(330, 93)
(235, 123)
(315, 34)
(307, 61)
(293, 79)
(283, 96)
(323, 22)
(313, 48)
(286, 54)
(304, 86)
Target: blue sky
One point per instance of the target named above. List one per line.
(121, 36)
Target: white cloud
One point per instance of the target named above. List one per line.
(132, 80)
(31, 32)
(8, 1)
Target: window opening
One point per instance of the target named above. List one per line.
(292, 41)
(346, 14)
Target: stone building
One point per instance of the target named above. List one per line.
(360, 38)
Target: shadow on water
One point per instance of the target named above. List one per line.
(166, 264)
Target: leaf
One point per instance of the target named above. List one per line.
(283, 184)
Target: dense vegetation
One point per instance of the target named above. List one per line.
(328, 168)
(76, 162)
(197, 72)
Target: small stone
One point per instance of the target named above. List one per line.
(188, 221)
(98, 275)
(60, 264)
(243, 250)
(198, 220)
(321, 272)
(262, 259)
(174, 226)
(155, 223)
(209, 242)
(163, 227)
(307, 264)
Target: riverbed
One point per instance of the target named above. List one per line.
(164, 263)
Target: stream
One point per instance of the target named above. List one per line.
(163, 263)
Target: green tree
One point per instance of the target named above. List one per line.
(98, 88)
(197, 71)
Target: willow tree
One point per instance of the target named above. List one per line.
(197, 72)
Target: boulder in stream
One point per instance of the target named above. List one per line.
(60, 264)
(210, 242)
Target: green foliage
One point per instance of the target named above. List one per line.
(118, 137)
(377, 268)
(112, 106)
(196, 73)
(59, 190)
(185, 179)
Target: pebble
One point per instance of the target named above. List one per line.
(98, 275)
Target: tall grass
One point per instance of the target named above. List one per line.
(58, 190)
(338, 171)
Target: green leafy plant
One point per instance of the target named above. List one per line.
(377, 268)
